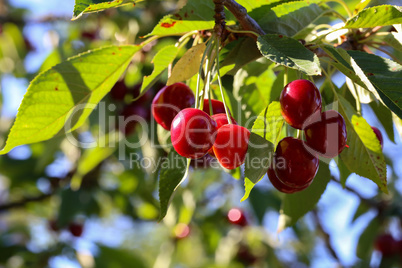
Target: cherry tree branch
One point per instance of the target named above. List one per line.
(23, 202)
(246, 22)
(326, 236)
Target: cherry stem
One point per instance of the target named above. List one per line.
(211, 111)
(197, 102)
(285, 77)
(220, 82)
(242, 32)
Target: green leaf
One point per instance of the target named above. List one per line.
(67, 93)
(384, 115)
(269, 123)
(256, 92)
(344, 172)
(258, 157)
(173, 172)
(188, 65)
(375, 16)
(161, 61)
(291, 18)
(195, 15)
(248, 186)
(289, 52)
(236, 58)
(296, 205)
(364, 155)
(381, 76)
(88, 6)
(393, 39)
(367, 238)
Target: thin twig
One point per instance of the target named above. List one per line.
(368, 202)
(246, 22)
(326, 236)
(23, 202)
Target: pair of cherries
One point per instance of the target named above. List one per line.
(295, 162)
(195, 132)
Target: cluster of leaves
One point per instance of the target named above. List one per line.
(62, 102)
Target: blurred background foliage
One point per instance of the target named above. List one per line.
(111, 220)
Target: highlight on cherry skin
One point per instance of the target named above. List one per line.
(326, 136)
(237, 216)
(294, 165)
(299, 100)
(231, 144)
(279, 185)
(169, 101)
(192, 133)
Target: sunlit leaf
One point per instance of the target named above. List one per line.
(290, 18)
(381, 76)
(88, 6)
(188, 65)
(67, 93)
(269, 123)
(376, 16)
(161, 61)
(364, 155)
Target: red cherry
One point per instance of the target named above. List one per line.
(118, 91)
(217, 107)
(90, 35)
(231, 145)
(76, 229)
(169, 101)
(294, 165)
(192, 133)
(327, 135)
(245, 256)
(299, 100)
(237, 217)
(386, 244)
(379, 136)
(220, 119)
(145, 98)
(280, 186)
(132, 115)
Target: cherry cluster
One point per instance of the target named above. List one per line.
(122, 96)
(75, 228)
(295, 162)
(196, 132)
